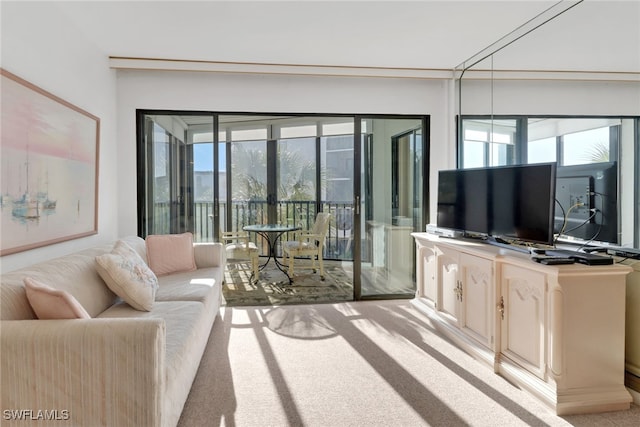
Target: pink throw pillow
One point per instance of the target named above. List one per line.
(50, 303)
(170, 253)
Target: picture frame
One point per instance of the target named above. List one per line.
(49, 149)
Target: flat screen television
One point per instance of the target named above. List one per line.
(509, 202)
(587, 195)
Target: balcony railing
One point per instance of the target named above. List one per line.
(338, 244)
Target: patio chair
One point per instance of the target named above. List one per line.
(238, 248)
(308, 243)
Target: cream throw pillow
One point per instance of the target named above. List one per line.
(128, 276)
(170, 253)
(50, 303)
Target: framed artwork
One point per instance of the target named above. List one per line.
(49, 172)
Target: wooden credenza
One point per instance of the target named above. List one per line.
(555, 331)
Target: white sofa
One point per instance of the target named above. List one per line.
(122, 367)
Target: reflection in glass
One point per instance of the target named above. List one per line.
(296, 181)
(590, 146)
(392, 200)
(248, 183)
(541, 150)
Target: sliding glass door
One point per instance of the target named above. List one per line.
(272, 172)
(208, 173)
(392, 203)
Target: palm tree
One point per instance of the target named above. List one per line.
(296, 182)
(249, 166)
(599, 153)
(249, 169)
(297, 177)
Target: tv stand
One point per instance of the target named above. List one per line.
(557, 331)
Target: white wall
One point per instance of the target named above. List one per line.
(270, 94)
(42, 47)
(606, 98)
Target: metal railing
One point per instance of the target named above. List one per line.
(338, 244)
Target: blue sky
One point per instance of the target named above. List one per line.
(203, 157)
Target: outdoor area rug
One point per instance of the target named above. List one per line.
(273, 288)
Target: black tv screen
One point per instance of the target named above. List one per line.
(511, 202)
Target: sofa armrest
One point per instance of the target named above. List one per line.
(209, 255)
(83, 372)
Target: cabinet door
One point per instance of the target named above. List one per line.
(476, 313)
(426, 276)
(447, 283)
(524, 322)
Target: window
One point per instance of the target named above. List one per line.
(542, 150)
(488, 142)
(590, 146)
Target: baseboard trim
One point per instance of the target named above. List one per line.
(632, 382)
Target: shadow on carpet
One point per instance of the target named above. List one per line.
(273, 288)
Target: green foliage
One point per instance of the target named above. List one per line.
(249, 171)
(248, 167)
(297, 177)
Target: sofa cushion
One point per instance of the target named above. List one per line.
(137, 244)
(50, 303)
(203, 285)
(86, 285)
(170, 253)
(128, 276)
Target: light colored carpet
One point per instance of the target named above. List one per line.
(377, 363)
(274, 288)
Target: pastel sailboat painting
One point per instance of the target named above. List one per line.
(26, 206)
(49, 174)
(48, 205)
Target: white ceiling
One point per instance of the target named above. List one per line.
(593, 36)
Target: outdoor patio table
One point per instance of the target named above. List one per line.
(272, 233)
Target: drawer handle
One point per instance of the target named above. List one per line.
(501, 308)
(458, 290)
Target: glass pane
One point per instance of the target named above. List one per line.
(203, 191)
(488, 142)
(170, 206)
(161, 186)
(591, 146)
(249, 134)
(344, 128)
(475, 135)
(298, 131)
(473, 154)
(501, 138)
(499, 155)
(337, 164)
(222, 182)
(248, 183)
(541, 150)
(392, 164)
(297, 182)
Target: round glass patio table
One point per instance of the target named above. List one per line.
(272, 233)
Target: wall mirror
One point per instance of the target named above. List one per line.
(546, 94)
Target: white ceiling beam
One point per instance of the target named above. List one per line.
(121, 63)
